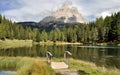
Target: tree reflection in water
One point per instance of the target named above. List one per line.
(100, 55)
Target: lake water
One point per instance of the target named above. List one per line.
(108, 56)
(7, 72)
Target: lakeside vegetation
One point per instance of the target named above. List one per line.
(92, 69)
(57, 43)
(39, 66)
(26, 65)
(75, 43)
(89, 67)
(29, 43)
(15, 43)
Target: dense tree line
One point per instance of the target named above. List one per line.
(102, 30)
(13, 31)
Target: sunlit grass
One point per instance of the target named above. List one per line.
(39, 66)
(92, 69)
(15, 43)
(26, 65)
(57, 43)
(89, 67)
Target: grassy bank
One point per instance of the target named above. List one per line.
(26, 65)
(57, 43)
(21, 43)
(90, 68)
(15, 43)
(39, 66)
(75, 43)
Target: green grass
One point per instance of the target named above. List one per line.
(89, 67)
(85, 66)
(15, 43)
(92, 69)
(26, 65)
(39, 66)
(57, 43)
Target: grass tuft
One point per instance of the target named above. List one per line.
(26, 65)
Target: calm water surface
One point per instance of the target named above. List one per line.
(7, 72)
(108, 56)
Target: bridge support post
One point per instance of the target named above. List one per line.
(66, 57)
(49, 56)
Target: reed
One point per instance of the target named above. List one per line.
(26, 65)
(39, 66)
(91, 68)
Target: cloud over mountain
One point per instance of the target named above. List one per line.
(35, 10)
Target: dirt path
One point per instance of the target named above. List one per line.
(70, 72)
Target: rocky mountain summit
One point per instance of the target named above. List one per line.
(65, 14)
(64, 17)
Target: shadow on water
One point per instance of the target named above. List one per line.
(108, 56)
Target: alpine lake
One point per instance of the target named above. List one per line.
(104, 56)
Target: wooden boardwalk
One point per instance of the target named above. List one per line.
(59, 65)
(61, 68)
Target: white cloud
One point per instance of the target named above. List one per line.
(35, 10)
(104, 14)
(98, 8)
(108, 12)
(32, 10)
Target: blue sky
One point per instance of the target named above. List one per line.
(35, 10)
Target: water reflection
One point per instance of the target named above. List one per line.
(100, 55)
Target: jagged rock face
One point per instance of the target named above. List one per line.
(65, 14)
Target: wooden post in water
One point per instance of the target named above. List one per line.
(49, 56)
(65, 56)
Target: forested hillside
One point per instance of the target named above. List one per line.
(103, 30)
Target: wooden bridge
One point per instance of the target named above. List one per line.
(58, 65)
(61, 68)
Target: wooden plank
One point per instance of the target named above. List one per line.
(59, 65)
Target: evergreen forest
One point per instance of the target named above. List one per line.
(101, 30)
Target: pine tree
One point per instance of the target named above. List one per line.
(34, 34)
(38, 37)
(100, 25)
(43, 36)
(107, 24)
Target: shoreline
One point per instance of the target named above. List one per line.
(15, 43)
(26, 65)
(76, 43)
(29, 43)
(34, 67)
(89, 67)
(57, 43)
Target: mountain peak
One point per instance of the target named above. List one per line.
(65, 14)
